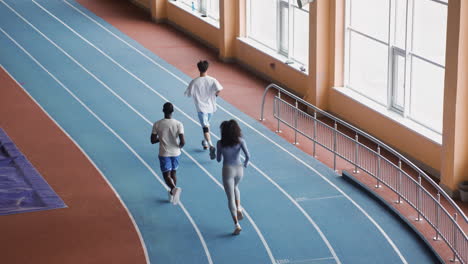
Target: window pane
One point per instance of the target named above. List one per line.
(368, 67)
(430, 30)
(427, 94)
(196, 3)
(400, 23)
(301, 36)
(371, 17)
(213, 9)
(263, 20)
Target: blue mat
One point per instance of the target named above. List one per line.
(22, 188)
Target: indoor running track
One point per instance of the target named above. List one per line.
(105, 91)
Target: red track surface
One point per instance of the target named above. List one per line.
(95, 228)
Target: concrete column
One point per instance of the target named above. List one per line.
(241, 22)
(455, 124)
(228, 10)
(158, 10)
(319, 53)
(337, 42)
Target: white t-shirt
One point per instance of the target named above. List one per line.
(203, 90)
(168, 131)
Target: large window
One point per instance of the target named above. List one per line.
(395, 55)
(209, 8)
(281, 26)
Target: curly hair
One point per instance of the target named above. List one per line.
(230, 133)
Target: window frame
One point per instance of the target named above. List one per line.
(393, 51)
(202, 7)
(280, 29)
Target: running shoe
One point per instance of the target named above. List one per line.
(240, 214)
(176, 198)
(170, 197)
(204, 144)
(212, 153)
(237, 230)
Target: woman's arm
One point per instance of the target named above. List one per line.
(219, 153)
(246, 152)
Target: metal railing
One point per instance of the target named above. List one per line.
(371, 160)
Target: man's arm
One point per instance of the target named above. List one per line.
(188, 91)
(218, 87)
(154, 138)
(181, 140)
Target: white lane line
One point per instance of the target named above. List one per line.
(322, 235)
(303, 199)
(288, 261)
(389, 240)
(202, 240)
(262, 238)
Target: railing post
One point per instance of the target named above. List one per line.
(356, 154)
(279, 111)
(454, 248)
(263, 101)
(399, 182)
(378, 168)
(315, 131)
(437, 217)
(295, 124)
(418, 199)
(334, 145)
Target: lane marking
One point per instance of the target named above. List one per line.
(208, 255)
(267, 248)
(322, 235)
(288, 261)
(389, 240)
(303, 199)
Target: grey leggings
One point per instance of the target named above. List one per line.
(232, 175)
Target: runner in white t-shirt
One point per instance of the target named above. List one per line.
(204, 90)
(169, 133)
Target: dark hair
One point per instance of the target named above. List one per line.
(168, 108)
(230, 133)
(203, 66)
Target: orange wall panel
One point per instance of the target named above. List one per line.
(281, 73)
(194, 25)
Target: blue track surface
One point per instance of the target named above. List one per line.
(106, 94)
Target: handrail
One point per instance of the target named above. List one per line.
(417, 200)
(370, 137)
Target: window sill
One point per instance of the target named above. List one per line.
(267, 51)
(408, 123)
(208, 20)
